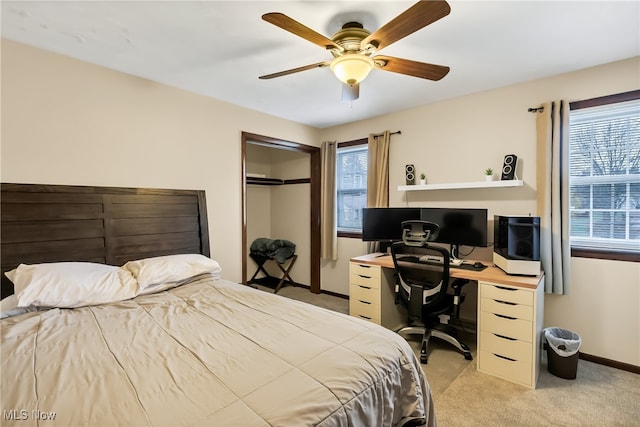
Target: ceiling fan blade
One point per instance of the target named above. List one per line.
(411, 68)
(350, 92)
(418, 16)
(283, 21)
(295, 70)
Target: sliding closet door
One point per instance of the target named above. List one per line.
(290, 207)
(257, 200)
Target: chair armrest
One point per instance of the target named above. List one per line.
(457, 285)
(458, 297)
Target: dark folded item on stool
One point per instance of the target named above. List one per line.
(278, 249)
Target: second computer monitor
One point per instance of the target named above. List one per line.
(461, 226)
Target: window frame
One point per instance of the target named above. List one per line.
(348, 144)
(604, 253)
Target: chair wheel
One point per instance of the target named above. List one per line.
(468, 356)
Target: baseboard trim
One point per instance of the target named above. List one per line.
(322, 291)
(611, 363)
(335, 294)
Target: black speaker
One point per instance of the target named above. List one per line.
(410, 174)
(517, 237)
(509, 167)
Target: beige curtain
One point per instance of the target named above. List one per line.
(552, 127)
(328, 226)
(378, 175)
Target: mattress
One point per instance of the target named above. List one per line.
(208, 353)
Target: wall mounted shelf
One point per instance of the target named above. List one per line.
(461, 185)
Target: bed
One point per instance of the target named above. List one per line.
(185, 349)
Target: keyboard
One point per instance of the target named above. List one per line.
(439, 260)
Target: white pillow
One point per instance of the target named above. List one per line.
(71, 284)
(170, 269)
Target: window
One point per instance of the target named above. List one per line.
(351, 186)
(604, 173)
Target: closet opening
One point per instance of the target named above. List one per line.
(281, 200)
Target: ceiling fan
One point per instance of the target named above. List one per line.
(353, 47)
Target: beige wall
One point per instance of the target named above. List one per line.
(69, 122)
(455, 140)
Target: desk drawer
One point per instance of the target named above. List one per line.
(508, 327)
(364, 310)
(364, 271)
(364, 280)
(506, 293)
(364, 293)
(510, 309)
(513, 349)
(513, 370)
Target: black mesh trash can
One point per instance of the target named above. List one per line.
(562, 352)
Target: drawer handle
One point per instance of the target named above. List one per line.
(364, 277)
(364, 302)
(506, 289)
(505, 302)
(506, 338)
(364, 317)
(505, 317)
(364, 287)
(505, 358)
(364, 266)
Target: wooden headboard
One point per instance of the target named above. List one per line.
(55, 223)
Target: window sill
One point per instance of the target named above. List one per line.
(612, 255)
(350, 234)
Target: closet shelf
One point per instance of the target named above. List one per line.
(275, 181)
(460, 185)
(264, 181)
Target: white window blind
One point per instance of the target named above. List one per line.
(604, 176)
(351, 187)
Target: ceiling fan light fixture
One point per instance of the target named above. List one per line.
(352, 68)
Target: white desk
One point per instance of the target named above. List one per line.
(510, 313)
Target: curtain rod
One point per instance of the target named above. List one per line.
(536, 110)
(398, 132)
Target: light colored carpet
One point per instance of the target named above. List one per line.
(303, 294)
(599, 396)
(445, 363)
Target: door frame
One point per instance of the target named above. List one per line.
(315, 189)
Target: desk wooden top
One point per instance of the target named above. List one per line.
(490, 274)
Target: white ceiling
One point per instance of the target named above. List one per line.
(219, 48)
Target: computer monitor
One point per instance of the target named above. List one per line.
(458, 227)
(385, 224)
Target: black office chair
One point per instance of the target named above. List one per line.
(422, 280)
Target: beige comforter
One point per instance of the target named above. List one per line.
(208, 353)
